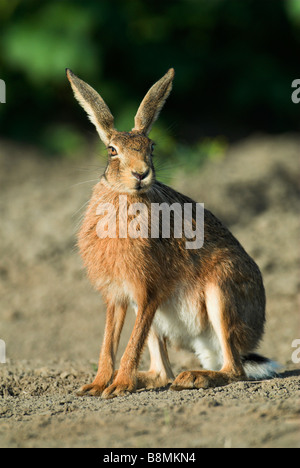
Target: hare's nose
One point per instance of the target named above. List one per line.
(140, 176)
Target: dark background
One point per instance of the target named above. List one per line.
(234, 61)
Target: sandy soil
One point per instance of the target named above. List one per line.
(52, 321)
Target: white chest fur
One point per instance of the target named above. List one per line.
(178, 319)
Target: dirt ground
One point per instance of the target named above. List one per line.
(51, 319)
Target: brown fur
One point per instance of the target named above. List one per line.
(221, 279)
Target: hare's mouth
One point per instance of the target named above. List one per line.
(142, 182)
(142, 186)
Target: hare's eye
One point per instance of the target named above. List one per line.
(152, 147)
(112, 151)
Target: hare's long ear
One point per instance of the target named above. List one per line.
(152, 103)
(93, 104)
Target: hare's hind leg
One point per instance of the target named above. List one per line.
(115, 316)
(232, 369)
(160, 373)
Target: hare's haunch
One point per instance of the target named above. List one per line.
(209, 299)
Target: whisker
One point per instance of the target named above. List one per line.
(79, 209)
(84, 182)
(87, 169)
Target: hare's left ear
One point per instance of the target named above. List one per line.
(152, 103)
(94, 105)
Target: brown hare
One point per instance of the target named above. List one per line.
(209, 300)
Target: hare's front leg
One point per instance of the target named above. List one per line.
(126, 379)
(160, 372)
(115, 316)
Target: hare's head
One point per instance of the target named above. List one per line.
(130, 167)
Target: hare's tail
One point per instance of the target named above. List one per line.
(259, 367)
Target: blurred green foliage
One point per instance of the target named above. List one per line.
(234, 61)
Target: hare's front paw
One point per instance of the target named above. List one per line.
(152, 379)
(120, 387)
(97, 387)
(92, 389)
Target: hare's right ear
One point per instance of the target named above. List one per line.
(152, 103)
(93, 104)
